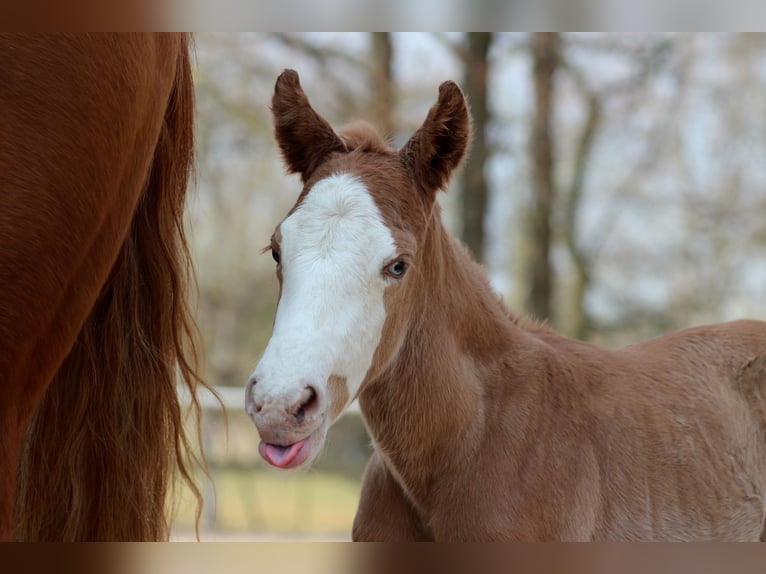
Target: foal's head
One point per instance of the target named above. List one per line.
(346, 257)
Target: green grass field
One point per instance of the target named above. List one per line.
(263, 502)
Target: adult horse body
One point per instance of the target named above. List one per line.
(96, 146)
(486, 426)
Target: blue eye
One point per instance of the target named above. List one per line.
(397, 269)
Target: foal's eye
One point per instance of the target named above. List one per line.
(275, 256)
(396, 269)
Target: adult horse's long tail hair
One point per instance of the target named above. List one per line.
(105, 445)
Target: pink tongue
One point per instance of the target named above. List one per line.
(280, 456)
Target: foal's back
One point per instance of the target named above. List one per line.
(679, 433)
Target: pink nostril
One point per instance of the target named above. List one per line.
(307, 404)
(252, 406)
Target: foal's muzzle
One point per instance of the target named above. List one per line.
(287, 415)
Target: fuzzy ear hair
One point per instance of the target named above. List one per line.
(305, 138)
(438, 147)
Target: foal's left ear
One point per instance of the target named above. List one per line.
(305, 138)
(440, 144)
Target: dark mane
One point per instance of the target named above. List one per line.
(97, 330)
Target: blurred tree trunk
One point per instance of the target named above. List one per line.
(545, 55)
(382, 82)
(580, 323)
(473, 195)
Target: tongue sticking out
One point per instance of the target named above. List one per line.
(281, 456)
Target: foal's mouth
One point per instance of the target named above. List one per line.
(285, 456)
(289, 455)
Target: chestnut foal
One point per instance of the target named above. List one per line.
(486, 426)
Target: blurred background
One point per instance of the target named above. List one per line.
(616, 187)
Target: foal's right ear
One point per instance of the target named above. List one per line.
(438, 147)
(305, 138)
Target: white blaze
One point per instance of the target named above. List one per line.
(331, 313)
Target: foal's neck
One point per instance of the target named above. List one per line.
(455, 301)
(428, 404)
